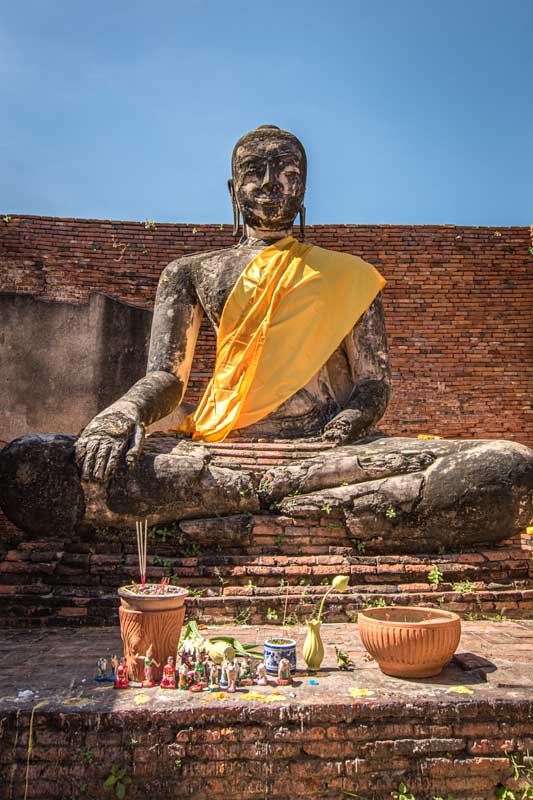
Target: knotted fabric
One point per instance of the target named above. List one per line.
(289, 310)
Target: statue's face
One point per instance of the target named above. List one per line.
(269, 181)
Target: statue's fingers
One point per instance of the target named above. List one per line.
(136, 447)
(101, 461)
(90, 460)
(114, 458)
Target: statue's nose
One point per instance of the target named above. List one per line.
(268, 178)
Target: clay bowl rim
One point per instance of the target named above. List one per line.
(441, 615)
(127, 594)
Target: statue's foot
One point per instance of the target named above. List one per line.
(40, 490)
(410, 495)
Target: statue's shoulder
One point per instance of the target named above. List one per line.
(192, 262)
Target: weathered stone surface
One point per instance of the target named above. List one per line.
(451, 495)
(231, 531)
(469, 493)
(40, 489)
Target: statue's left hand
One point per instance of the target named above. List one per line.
(348, 426)
(108, 438)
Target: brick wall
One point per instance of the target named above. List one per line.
(364, 749)
(458, 305)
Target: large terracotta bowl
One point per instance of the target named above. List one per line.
(410, 642)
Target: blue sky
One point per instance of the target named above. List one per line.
(411, 111)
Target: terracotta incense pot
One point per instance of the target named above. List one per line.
(150, 619)
(410, 642)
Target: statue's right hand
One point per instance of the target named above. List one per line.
(109, 437)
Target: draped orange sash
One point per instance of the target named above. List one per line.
(289, 310)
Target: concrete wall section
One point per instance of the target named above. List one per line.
(63, 362)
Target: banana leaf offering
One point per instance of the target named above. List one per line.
(217, 647)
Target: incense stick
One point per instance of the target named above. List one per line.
(142, 538)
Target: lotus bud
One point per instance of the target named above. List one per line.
(340, 582)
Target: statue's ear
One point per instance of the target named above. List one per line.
(236, 210)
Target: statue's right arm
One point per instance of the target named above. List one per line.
(118, 431)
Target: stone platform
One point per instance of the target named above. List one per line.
(353, 734)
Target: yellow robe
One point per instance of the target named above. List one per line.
(289, 310)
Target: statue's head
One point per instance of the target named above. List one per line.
(269, 170)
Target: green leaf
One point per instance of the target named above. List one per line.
(110, 781)
(120, 791)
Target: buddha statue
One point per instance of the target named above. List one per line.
(302, 358)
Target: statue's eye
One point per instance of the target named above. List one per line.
(251, 168)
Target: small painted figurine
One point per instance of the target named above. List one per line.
(199, 673)
(214, 680)
(245, 673)
(114, 664)
(121, 674)
(101, 669)
(261, 674)
(183, 681)
(168, 681)
(149, 662)
(232, 673)
(284, 672)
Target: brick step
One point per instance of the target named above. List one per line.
(514, 603)
(52, 567)
(75, 606)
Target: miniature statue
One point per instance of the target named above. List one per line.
(245, 673)
(168, 681)
(343, 659)
(101, 669)
(232, 673)
(199, 673)
(114, 665)
(149, 662)
(214, 676)
(121, 674)
(183, 680)
(284, 672)
(261, 674)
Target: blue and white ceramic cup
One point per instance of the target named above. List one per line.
(275, 650)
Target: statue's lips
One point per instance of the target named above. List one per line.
(268, 201)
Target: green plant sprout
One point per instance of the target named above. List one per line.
(150, 225)
(117, 780)
(403, 793)
(435, 576)
(271, 614)
(243, 617)
(465, 587)
(379, 602)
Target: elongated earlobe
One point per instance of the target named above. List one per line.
(236, 210)
(302, 221)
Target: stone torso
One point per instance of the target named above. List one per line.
(305, 413)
